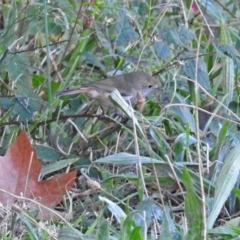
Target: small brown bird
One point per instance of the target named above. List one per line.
(129, 85)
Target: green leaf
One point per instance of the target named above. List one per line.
(129, 229)
(159, 139)
(193, 208)
(225, 182)
(182, 142)
(230, 79)
(178, 36)
(6, 102)
(116, 97)
(46, 153)
(57, 165)
(189, 67)
(37, 80)
(228, 231)
(228, 70)
(183, 112)
(103, 37)
(169, 230)
(211, 9)
(114, 209)
(17, 68)
(229, 51)
(127, 158)
(21, 107)
(162, 49)
(93, 60)
(237, 192)
(125, 32)
(72, 234)
(221, 139)
(25, 91)
(146, 209)
(136, 234)
(185, 34)
(103, 231)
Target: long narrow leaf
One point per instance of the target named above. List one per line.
(226, 180)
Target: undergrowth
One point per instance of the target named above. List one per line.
(168, 172)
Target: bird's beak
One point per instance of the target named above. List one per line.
(157, 87)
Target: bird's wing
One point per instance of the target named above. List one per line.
(108, 88)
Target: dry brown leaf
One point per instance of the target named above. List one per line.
(19, 173)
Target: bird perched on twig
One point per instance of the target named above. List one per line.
(130, 85)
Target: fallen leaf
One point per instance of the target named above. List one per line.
(19, 173)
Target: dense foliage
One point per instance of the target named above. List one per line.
(168, 172)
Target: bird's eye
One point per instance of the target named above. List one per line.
(149, 86)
